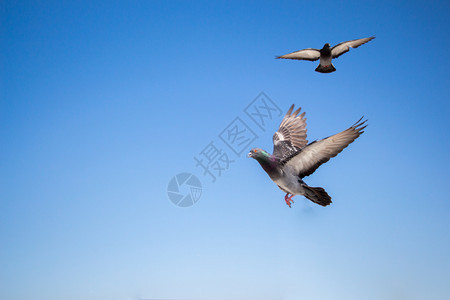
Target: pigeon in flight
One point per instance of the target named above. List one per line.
(326, 54)
(293, 158)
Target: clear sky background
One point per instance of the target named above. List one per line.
(102, 103)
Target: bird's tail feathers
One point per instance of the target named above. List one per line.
(317, 195)
(328, 69)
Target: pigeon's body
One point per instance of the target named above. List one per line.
(326, 54)
(293, 158)
(284, 178)
(325, 65)
(290, 183)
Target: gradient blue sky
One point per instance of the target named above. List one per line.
(103, 102)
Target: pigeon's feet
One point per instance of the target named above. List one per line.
(289, 199)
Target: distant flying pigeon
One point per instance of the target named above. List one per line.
(293, 158)
(326, 54)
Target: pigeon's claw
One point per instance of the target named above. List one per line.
(289, 199)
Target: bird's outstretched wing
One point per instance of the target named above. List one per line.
(291, 135)
(305, 54)
(308, 159)
(344, 47)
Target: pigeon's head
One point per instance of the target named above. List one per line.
(327, 45)
(257, 153)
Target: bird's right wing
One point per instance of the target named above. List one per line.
(291, 135)
(344, 47)
(305, 54)
(308, 159)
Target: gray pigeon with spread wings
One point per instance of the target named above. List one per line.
(293, 158)
(326, 54)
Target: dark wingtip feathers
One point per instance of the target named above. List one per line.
(358, 124)
(295, 113)
(290, 110)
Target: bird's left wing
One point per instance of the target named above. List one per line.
(308, 159)
(305, 54)
(344, 47)
(291, 135)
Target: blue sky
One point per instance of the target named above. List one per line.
(101, 104)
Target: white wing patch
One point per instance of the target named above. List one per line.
(279, 137)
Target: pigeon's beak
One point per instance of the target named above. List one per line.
(249, 154)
